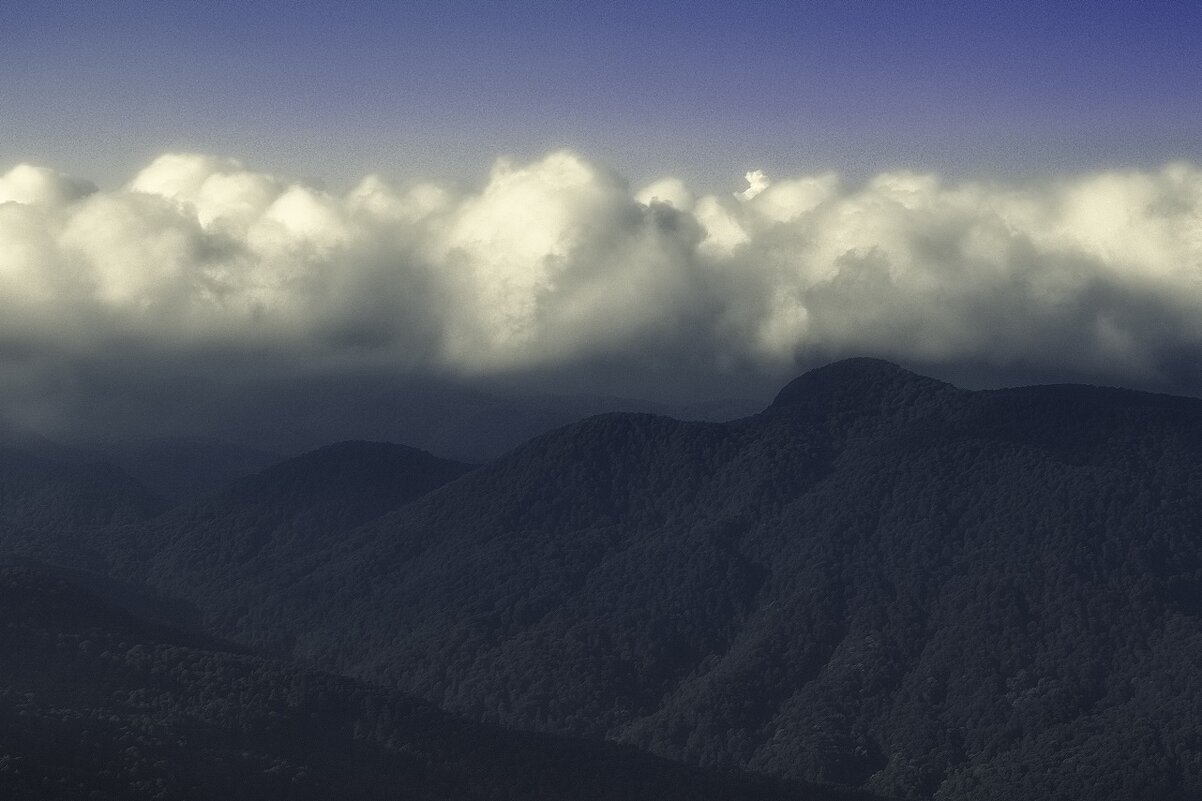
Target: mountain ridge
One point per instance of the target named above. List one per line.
(880, 581)
(666, 564)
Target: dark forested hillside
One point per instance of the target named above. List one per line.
(42, 493)
(96, 703)
(880, 581)
(264, 529)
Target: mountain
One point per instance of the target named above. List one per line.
(46, 505)
(442, 416)
(881, 581)
(260, 532)
(44, 493)
(181, 469)
(175, 469)
(97, 703)
(345, 483)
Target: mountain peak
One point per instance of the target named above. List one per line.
(859, 382)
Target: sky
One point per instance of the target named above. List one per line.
(703, 91)
(622, 195)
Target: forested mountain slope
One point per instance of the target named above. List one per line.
(42, 493)
(96, 703)
(259, 532)
(881, 580)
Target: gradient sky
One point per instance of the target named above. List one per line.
(700, 90)
(210, 192)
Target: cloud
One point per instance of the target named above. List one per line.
(556, 262)
(757, 182)
(38, 185)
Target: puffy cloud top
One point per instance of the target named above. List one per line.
(559, 260)
(39, 186)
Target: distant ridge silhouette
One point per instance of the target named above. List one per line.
(858, 383)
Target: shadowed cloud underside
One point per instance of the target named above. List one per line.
(209, 266)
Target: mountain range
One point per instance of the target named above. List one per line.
(879, 582)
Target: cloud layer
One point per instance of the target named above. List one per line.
(560, 261)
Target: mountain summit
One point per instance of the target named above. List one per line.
(860, 384)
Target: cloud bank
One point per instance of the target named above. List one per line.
(559, 261)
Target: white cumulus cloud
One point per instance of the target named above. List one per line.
(556, 261)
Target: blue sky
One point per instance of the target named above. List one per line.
(699, 90)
